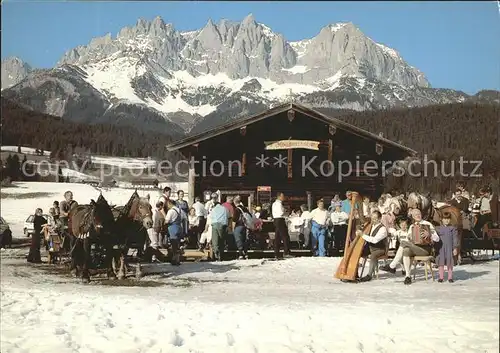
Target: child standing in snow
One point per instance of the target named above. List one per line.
(448, 247)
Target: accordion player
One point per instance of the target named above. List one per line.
(421, 234)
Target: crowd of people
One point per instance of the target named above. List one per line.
(207, 224)
(212, 223)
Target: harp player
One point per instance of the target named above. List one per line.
(377, 240)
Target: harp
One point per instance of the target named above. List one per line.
(348, 267)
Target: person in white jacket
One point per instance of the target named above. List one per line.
(206, 236)
(306, 224)
(155, 231)
(401, 235)
(339, 220)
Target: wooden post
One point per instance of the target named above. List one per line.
(191, 181)
(243, 164)
(309, 201)
(250, 202)
(289, 160)
(330, 154)
(352, 221)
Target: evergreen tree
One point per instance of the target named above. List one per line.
(13, 167)
(60, 175)
(53, 154)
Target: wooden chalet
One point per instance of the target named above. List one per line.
(294, 132)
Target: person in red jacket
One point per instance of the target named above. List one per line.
(229, 205)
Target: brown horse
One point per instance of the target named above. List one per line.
(88, 224)
(132, 222)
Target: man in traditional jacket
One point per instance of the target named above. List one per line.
(377, 240)
(460, 202)
(165, 196)
(66, 206)
(464, 193)
(485, 214)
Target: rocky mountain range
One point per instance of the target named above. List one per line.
(14, 70)
(154, 77)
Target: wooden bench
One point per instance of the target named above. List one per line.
(427, 260)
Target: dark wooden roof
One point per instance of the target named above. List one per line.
(236, 124)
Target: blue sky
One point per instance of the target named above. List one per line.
(456, 44)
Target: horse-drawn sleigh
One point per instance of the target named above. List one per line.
(99, 236)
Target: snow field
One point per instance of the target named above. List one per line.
(251, 306)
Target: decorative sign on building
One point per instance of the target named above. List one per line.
(291, 144)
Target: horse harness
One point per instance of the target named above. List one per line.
(89, 222)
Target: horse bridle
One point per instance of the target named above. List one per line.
(132, 208)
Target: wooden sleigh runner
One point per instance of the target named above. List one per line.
(354, 244)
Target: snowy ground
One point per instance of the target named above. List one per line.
(248, 306)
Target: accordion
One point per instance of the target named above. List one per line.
(418, 234)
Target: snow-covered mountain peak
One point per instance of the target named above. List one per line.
(14, 70)
(252, 49)
(334, 27)
(393, 53)
(152, 71)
